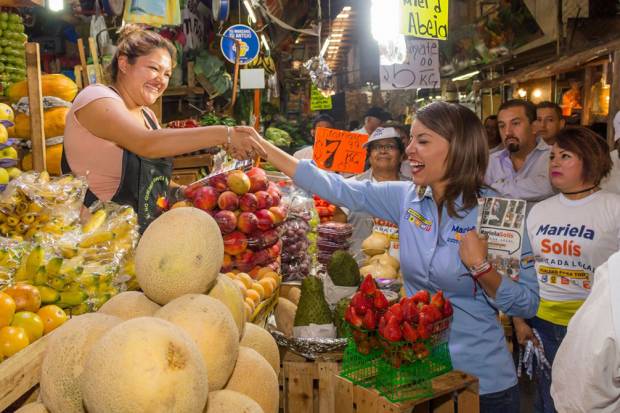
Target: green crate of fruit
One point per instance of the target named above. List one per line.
(360, 369)
(412, 380)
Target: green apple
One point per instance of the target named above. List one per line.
(8, 152)
(4, 176)
(4, 16)
(14, 172)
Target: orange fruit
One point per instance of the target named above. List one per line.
(259, 289)
(7, 309)
(271, 274)
(27, 297)
(263, 271)
(30, 322)
(12, 339)
(269, 285)
(246, 279)
(253, 295)
(52, 316)
(250, 304)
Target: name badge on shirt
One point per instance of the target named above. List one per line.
(419, 220)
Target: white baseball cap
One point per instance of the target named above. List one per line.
(617, 126)
(382, 133)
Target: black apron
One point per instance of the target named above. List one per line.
(143, 182)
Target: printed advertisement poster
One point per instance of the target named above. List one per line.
(503, 221)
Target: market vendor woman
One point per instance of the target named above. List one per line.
(439, 247)
(114, 140)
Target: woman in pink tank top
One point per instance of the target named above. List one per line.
(113, 139)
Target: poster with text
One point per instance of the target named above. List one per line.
(340, 151)
(427, 19)
(419, 71)
(503, 220)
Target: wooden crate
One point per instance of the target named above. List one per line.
(308, 386)
(454, 392)
(20, 373)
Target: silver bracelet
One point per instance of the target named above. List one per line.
(228, 135)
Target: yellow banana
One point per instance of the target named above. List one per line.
(35, 260)
(48, 295)
(22, 273)
(95, 221)
(12, 221)
(97, 238)
(53, 266)
(71, 298)
(40, 277)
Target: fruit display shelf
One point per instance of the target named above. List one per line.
(20, 374)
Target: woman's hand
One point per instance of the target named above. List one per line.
(524, 332)
(245, 143)
(473, 248)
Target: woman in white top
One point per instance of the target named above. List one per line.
(572, 233)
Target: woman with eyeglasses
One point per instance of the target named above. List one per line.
(385, 152)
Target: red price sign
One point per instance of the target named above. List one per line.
(340, 151)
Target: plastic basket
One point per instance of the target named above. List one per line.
(412, 381)
(360, 369)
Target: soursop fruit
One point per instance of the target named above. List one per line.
(312, 308)
(343, 269)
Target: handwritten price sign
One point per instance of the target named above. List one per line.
(427, 19)
(419, 71)
(340, 151)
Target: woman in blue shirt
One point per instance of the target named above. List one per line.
(440, 249)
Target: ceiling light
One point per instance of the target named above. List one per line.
(466, 76)
(264, 40)
(537, 93)
(324, 48)
(346, 8)
(56, 5)
(522, 93)
(251, 14)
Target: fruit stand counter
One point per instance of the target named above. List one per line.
(21, 372)
(355, 399)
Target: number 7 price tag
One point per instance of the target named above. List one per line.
(340, 151)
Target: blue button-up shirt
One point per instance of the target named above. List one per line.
(531, 182)
(429, 252)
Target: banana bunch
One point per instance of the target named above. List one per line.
(263, 62)
(34, 207)
(77, 274)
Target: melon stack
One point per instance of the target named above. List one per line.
(180, 346)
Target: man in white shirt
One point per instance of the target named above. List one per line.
(493, 138)
(586, 371)
(612, 182)
(321, 121)
(374, 118)
(521, 169)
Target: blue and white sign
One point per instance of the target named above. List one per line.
(250, 44)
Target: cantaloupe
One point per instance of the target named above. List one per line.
(181, 252)
(285, 316)
(35, 407)
(259, 339)
(254, 377)
(129, 304)
(228, 293)
(211, 326)
(145, 364)
(228, 401)
(65, 357)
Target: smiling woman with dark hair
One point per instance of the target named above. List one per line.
(572, 234)
(439, 247)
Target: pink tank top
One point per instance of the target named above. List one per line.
(99, 160)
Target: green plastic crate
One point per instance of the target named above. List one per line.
(360, 369)
(412, 381)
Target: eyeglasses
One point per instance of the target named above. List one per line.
(387, 147)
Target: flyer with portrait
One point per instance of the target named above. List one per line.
(503, 220)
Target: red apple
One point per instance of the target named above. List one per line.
(258, 180)
(262, 257)
(248, 202)
(275, 250)
(228, 200)
(279, 214)
(238, 182)
(205, 198)
(270, 237)
(246, 261)
(235, 243)
(265, 219)
(264, 199)
(218, 182)
(247, 222)
(226, 220)
(228, 263)
(255, 171)
(190, 191)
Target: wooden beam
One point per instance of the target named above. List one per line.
(35, 101)
(555, 65)
(587, 97)
(614, 100)
(82, 53)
